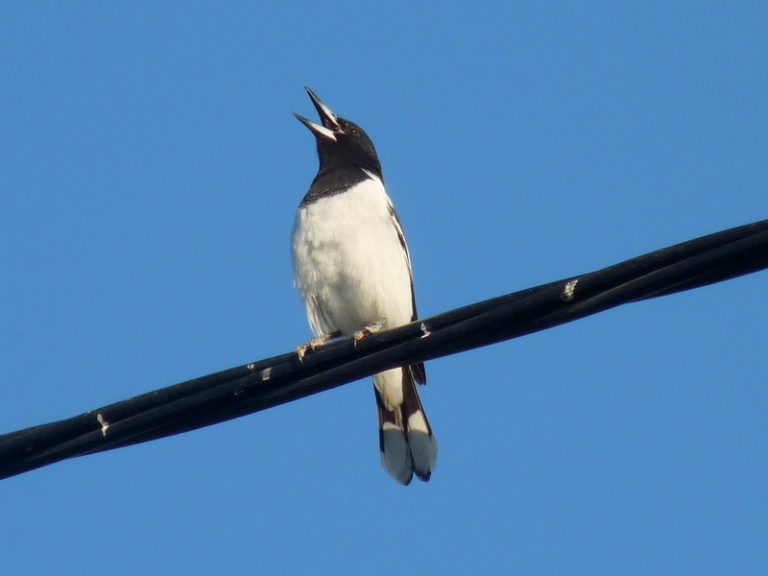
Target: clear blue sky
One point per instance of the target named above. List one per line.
(150, 169)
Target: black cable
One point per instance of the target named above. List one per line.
(266, 383)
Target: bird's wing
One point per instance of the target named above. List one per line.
(417, 371)
(404, 245)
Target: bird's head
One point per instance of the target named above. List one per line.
(340, 142)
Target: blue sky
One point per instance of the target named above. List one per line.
(149, 173)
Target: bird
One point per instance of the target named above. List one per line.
(352, 267)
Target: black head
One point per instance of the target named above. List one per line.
(340, 143)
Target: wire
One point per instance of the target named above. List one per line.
(260, 385)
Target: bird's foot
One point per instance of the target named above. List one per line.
(316, 343)
(367, 331)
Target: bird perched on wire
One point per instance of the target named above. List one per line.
(353, 269)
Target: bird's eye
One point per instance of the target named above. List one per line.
(354, 131)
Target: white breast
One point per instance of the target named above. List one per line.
(349, 263)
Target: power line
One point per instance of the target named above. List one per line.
(260, 385)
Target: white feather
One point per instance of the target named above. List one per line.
(349, 263)
(396, 456)
(390, 385)
(423, 444)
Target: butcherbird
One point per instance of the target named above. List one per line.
(353, 269)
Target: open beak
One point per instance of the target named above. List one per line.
(330, 123)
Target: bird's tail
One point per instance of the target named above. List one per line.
(405, 436)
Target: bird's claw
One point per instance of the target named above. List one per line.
(367, 331)
(317, 342)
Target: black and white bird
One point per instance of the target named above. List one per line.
(353, 269)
